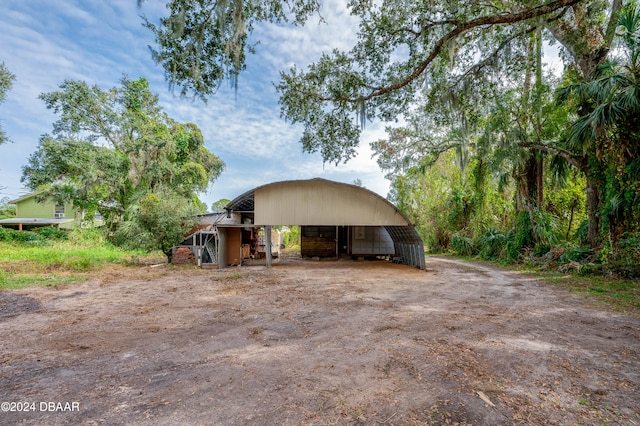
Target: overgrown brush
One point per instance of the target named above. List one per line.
(30, 258)
(39, 236)
(462, 245)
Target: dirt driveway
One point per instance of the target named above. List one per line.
(318, 343)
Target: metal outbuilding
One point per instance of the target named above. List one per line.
(335, 218)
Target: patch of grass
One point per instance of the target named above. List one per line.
(234, 276)
(623, 293)
(61, 253)
(618, 294)
(50, 263)
(17, 281)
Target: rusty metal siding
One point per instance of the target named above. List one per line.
(321, 202)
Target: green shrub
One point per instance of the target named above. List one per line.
(590, 269)
(522, 237)
(37, 236)
(625, 259)
(545, 229)
(50, 232)
(438, 240)
(581, 232)
(575, 254)
(89, 236)
(512, 248)
(7, 234)
(541, 249)
(491, 244)
(462, 245)
(292, 238)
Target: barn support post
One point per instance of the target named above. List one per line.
(222, 248)
(267, 244)
(198, 249)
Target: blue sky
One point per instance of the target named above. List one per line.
(44, 42)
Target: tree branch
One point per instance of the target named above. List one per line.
(458, 30)
(477, 67)
(570, 34)
(610, 32)
(572, 159)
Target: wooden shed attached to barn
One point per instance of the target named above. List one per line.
(335, 219)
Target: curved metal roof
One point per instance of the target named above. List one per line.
(317, 202)
(242, 203)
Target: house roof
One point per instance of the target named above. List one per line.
(25, 197)
(37, 221)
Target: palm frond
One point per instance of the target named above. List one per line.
(560, 170)
(581, 133)
(629, 26)
(629, 98)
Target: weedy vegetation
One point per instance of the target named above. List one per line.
(53, 257)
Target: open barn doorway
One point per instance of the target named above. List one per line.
(343, 240)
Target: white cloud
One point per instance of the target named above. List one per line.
(45, 43)
(283, 46)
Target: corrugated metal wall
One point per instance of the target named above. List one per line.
(408, 245)
(374, 240)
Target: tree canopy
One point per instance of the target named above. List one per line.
(6, 81)
(203, 42)
(380, 77)
(219, 205)
(114, 150)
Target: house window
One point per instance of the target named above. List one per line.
(58, 212)
(359, 232)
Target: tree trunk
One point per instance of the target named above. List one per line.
(538, 121)
(592, 188)
(592, 204)
(526, 179)
(540, 179)
(570, 222)
(531, 175)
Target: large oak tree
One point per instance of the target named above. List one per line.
(113, 151)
